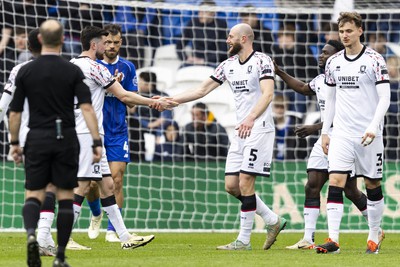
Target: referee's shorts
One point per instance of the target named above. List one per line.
(48, 160)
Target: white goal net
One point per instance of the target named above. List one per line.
(181, 42)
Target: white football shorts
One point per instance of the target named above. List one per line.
(252, 155)
(317, 160)
(346, 153)
(87, 169)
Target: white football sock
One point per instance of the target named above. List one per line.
(114, 215)
(246, 225)
(266, 213)
(77, 212)
(310, 223)
(375, 213)
(45, 222)
(334, 212)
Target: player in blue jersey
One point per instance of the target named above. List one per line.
(115, 128)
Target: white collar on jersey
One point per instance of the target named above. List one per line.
(112, 63)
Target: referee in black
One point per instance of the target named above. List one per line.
(50, 84)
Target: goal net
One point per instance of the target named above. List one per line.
(177, 183)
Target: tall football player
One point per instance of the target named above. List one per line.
(115, 130)
(317, 165)
(250, 75)
(358, 98)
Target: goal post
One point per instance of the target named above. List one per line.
(189, 195)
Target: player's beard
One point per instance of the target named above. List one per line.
(235, 49)
(111, 54)
(99, 56)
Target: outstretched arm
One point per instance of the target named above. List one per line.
(297, 85)
(205, 88)
(6, 36)
(131, 99)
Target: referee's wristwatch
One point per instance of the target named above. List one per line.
(14, 143)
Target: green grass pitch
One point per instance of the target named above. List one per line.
(198, 249)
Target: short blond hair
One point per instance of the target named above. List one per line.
(350, 17)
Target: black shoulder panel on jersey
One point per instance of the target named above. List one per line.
(267, 77)
(330, 84)
(215, 79)
(384, 81)
(108, 85)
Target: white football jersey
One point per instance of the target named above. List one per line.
(355, 82)
(98, 79)
(318, 86)
(244, 80)
(10, 87)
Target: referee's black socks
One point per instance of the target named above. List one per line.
(31, 215)
(65, 221)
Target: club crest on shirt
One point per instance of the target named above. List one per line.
(135, 81)
(362, 69)
(249, 68)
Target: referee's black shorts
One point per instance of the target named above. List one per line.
(48, 160)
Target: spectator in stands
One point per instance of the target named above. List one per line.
(21, 45)
(263, 38)
(151, 120)
(206, 34)
(377, 41)
(303, 23)
(77, 16)
(154, 30)
(164, 26)
(6, 42)
(287, 146)
(392, 116)
(7, 62)
(6, 28)
(170, 149)
(297, 60)
(144, 119)
(26, 14)
(204, 138)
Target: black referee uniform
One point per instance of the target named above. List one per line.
(50, 84)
